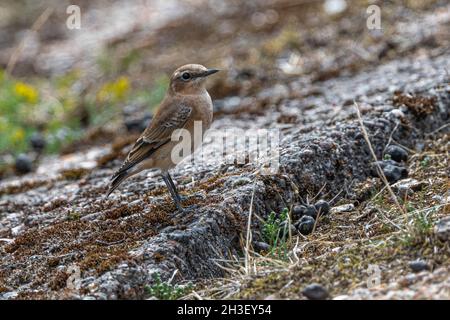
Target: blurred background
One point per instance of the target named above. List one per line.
(64, 90)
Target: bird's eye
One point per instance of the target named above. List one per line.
(186, 76)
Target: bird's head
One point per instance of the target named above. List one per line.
(190, 79)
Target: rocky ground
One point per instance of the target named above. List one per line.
(56, 220)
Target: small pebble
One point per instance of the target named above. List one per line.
(394, 174)
(133, 125)
(407, 187)
(298, 212)
(442, 229)
(391, 169)
(349, 207)
(322, 207)
(301, 210)
(418, 265)
(137, 124)
(305, 225)
(315, 292)
(311, 211)
(23, 164)
(397, 153)
(9, 295)
(37, 142)
(261, 246)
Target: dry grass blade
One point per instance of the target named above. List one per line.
(249, 232)
(379, 170)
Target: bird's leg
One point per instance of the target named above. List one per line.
(172, 189)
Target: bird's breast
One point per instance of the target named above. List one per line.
(203, 110)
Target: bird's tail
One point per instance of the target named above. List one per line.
(116, 181)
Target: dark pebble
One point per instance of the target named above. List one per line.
(305, 225)
(418, 265)
(261, 246)
(23, 164)
(301, 210)
(311, 211)
(298, 212)
(137, 124)
(37, 142)
(394, 174)
(322, 207)
(397, 153)
(391, 169)
(315, 292)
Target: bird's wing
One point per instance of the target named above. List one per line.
(155, 136)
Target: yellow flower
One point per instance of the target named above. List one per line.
(26, 91)
(121, 87)
(114, 90)
(17, 135)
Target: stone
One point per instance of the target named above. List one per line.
(315, 291)
(407, 187)
(305, 225)
(298, 211)
(349, 207)
(442, 229)
(37, 142)
(396, 153)
(322, 207)
(394, 174)
(9, 295)
(138, 124)
(301, 210)
(311, 211)
(391, 169)
(419, 265)
(261, 246)
(23, 164)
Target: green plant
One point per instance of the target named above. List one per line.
(425, 162)
(275, 232)
(167, 291)
(420, 226)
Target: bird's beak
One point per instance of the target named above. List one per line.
(209, 72)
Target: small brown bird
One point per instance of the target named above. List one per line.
(186, 101)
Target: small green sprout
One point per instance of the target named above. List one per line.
(167, 291)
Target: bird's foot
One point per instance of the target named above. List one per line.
(190, 204)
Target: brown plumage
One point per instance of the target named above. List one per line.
(186, 101)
